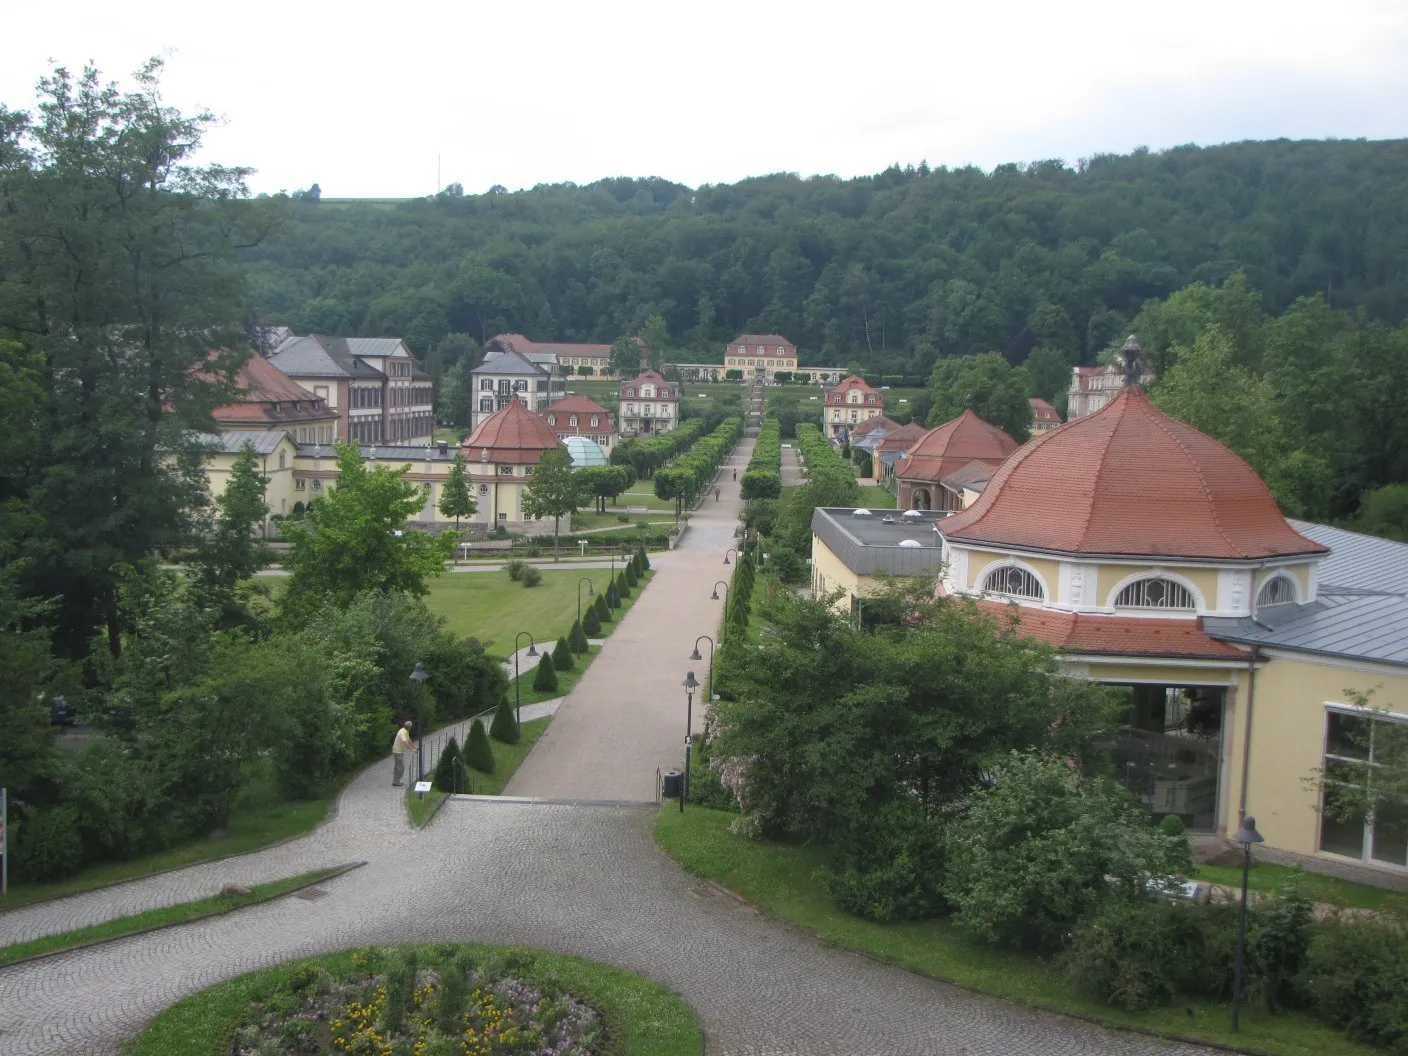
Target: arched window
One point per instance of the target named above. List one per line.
(1155, 593)
(1013, 581)
(1278, 590)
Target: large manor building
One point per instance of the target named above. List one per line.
(1156, 561)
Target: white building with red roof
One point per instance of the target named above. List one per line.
(760, 355)
(943, 450)
(849, 404)
(582, 416)
(269, 399)
(501, 453)
(1044, 416)
(649, 405)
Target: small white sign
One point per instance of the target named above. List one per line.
(423, 787)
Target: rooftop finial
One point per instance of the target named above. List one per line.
(968, 402)
(1132, 369)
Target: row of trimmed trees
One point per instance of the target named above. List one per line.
(763, 477)
(686, 478)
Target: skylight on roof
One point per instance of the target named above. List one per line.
(861, 513)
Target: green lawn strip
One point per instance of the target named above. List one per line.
(251, 828)
(782, 879)
(163, 917)
(422, 808)
(644, 1018)
(507, 758)
(877, 499)
(1318, 888)
(491, 607)
(585, 522)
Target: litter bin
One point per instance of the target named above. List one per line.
(671, 784)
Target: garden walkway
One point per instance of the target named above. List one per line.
(626, 716)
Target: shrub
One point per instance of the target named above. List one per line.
(643, 558)
(400, 987)
(1173, 834)
(631, 578)
(1136, 953)
(1278, 945)
(623, 589)
(545, 680)
(532, 576)
(892, 870)
(504, 728)
(623, 518)
(447, 777)
(1358, 973)
(562, 656)
(477, 754)
(516, 568)
(52, 845)
(603, 609)
(591, 623)
(578, 639)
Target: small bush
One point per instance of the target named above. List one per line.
(516, 568)
(1174, 835)
(623, 589)
(643, 559)
(591, 623)
(1137, 954)
(532, 576)
(545, 681)
(504, 728)
(603, 609)
(894, 869)
(624, 518)
(535, 550)
(447, 777)
(52, 845)
(578, 638)
(477, 754)
(631, 577)
(1358, 973)
(562, 656)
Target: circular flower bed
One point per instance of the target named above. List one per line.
(410, 1002)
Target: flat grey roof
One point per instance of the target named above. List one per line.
(232, 442)
(1360, 609)
(869, 546)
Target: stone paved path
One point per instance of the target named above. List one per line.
(626, 716)
(582, 879)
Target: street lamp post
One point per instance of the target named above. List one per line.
(690, 685)
(695, 656)
(418, 676)
(590, 593)
(611, 581)
(1246, 836)
(723, 635)
(517, 691)
(732, 551)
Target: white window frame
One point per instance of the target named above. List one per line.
(1002, 567)
(1192, 591)
(1262, 599)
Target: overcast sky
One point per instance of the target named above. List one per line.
(364, 98)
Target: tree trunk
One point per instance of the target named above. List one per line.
(555, 555)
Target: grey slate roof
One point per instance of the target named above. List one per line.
(264, 441)
(372, 346)
(1360, 610)
(317, 356)
(867, 545)
(509, 363)
(390, 452)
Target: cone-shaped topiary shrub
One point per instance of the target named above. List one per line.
(562, 656)
(578, 638)
(643, 558)
(631, 577)
(504, 728)
(603, 610)
(477, 753)
(623, 589)
(591, 623)
(546, 678)
(446, 767)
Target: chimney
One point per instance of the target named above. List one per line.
(444, 447)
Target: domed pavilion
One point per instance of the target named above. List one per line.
(941, 452)
(501, 452)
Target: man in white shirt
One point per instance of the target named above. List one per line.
(399, 747)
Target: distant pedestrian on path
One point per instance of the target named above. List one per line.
(735, 474)
(399, 747)
(716, 494)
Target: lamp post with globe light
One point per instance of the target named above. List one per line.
(418, 676)
(1246, 836)
(696, 656)
(590, 593)
(723, 634)
(690, 685)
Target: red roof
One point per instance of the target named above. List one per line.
(1129, 480)
(511, 434)
(770, 340)
(559, 348)
(583, 407)
(1115, 635)
(664, 390)
(577, 405)
(1043, 411)
(865, 427)
(267, 395)
(901, 437)
(953, 445)
(854, 381)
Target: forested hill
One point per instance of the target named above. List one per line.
(893, 270)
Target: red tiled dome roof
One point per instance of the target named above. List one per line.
(1129, 480)
(511, 434)
(953, 445)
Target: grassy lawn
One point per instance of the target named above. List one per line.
(253, 824)
(590, 521)
(782, 880)
(180, 913)
(1267, 877)
(644, 1019)
(604, 391)
(422, 808)
(492, 607)
(877, 499)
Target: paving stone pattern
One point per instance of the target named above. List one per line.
(586, 880)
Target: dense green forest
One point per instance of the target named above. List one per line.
(894, 270)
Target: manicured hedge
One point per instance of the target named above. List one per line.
(763, 477)
(685, 479)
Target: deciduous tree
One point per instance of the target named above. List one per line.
(553, 492)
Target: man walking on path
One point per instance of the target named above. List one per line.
(399, 747)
